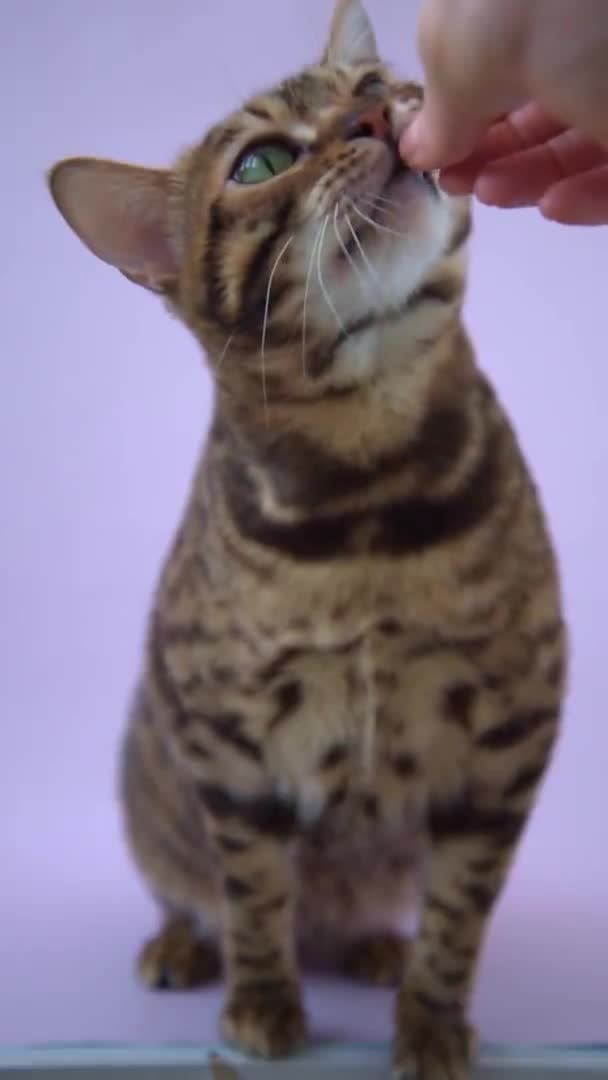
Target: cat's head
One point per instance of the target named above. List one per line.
(293, 228)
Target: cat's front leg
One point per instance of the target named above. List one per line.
(473, 839)
(252, 837)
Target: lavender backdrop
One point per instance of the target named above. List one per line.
(103, 406)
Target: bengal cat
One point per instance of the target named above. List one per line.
(356, 653)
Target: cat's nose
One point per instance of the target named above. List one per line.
(373, 123)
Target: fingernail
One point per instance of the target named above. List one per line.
(485, 191)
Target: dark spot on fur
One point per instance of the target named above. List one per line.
(288, 697)
(337, 797)
(432, 1004)
(441, 440)
(340, 612)
(333, 757)
(453, 979)
(481, 897)
(483, 866)
(494, 682)
(458, 703)
(227, 728)
(404, 765)
(255, 277)
(525, 780)
(386, 680)
(222, 674)
(265, 814)
(279, 990)
(232, 845)
(219, 802)
(462, 817)
(196, 750)
(271, 907)
(258, 961)
(449, 911)
(555, 673)
(236, 889)
(259, 112)
(517, 729)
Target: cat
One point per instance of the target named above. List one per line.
(356, 656)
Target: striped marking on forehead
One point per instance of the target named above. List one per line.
(311, 90)
(303, 96)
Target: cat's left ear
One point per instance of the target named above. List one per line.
(122, 213)
(351, 39)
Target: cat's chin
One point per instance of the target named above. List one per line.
(404, 180)
(407, 205)
(404, 206)
(406, 192)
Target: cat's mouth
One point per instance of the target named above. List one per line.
(384, 212)
(401, 171)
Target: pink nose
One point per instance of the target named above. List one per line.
(373, 123)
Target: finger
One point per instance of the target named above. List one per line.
(441, 134)
(471, 79)
(525, 128)
(579, 200)
(523, 178)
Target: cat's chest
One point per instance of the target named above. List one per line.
(364, 735)
(347, 745)
(329, 607)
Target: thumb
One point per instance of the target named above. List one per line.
(442, 133)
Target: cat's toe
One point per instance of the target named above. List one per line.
(267, 1021)
(178, 959)
(431, 1046)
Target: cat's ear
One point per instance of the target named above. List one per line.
(122, 214)
(351, 38)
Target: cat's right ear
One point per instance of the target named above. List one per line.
(351, 38)
(122, 213)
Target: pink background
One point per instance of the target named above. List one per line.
(103, 405)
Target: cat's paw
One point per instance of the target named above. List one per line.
(178, 959)
(265, 1019)
(378, 959)
(431, 1044)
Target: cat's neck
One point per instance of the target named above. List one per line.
(358, 422)
(409, 408)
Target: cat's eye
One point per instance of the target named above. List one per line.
(370, 83)
(263, 163)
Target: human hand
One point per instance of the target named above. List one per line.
(530, 159)
(484, 59)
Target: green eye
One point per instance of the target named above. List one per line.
(370, 83)
(261, 164)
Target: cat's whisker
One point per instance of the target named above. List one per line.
(379, 198)
(265, 326)
(346, 252)
(322, 285)
(376, 225)
(224, 353)
(372, 270)
(380, 207)
(311, 266)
